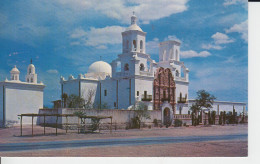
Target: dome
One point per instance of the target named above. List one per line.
(100, 67)
(15, 70)
(31, 66)
(134, 27)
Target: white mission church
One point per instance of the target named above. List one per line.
(133, 77)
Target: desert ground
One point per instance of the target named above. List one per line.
(232, 147)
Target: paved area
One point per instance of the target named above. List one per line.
(185, 141)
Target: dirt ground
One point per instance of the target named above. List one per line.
(228, 148)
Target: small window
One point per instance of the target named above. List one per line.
(12, 77)
(137, 93)
(164, 94)
(105, 92)
(126, 67)
(28, 80)
(188, 112)
(177, 73)
(31, 79)
(180, 95)
(30, 71)
(127, 44)
(141, 67)
(15, 77)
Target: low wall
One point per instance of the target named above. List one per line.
(120, 117)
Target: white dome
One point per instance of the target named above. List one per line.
(15, 70)
(134, 27)
(100, 67)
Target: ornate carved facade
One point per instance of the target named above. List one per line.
(164, 88)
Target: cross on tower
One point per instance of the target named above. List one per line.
(31, 60)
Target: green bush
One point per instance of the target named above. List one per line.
(95, 122)
(177, 123)
(155, 121)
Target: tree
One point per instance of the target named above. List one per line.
(141, 113)
(75, 101)
(89, 98)
(203, 100)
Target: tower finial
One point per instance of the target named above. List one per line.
(31, 60)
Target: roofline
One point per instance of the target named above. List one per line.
(244, 103)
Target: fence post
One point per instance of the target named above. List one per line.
(21, 123)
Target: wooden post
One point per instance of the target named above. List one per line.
(111, 126)
(56, 125)
(66, 124)
(21, 123)
(32, 125)
(78, 125)
(44, 124)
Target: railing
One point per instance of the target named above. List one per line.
(182, 100)
(165, 99)
(147, 97)
(182, 116)
(146, 73)
(122, 73)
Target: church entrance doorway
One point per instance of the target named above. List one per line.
(166, 116)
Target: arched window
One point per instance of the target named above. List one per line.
(164, 55)
(30, 71)
(31, 80)
(134, 45)
(177, 73)
(12, 77)
(141, 67)
(141, 45)
(27, 80)
(176, 55)
(180, 95)
(15, 77)
(126, 67)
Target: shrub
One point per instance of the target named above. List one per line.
(155, 121)
(177, 123)
(95, 122)
(184, 124)
(135, 122)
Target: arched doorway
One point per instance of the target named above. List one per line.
(166, 116)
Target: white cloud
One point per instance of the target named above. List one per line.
(122, 9)
(98, 37)
(220, 38)
(172, 37)
(236, 2)
(211, 46)
(241, 28)
(53, 71)
(191, 54)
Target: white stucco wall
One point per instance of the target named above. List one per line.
(22, 99)
(1, 104)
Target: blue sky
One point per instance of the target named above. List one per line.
(64, 37)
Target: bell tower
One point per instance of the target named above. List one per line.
(133, 38)
(31, 76)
